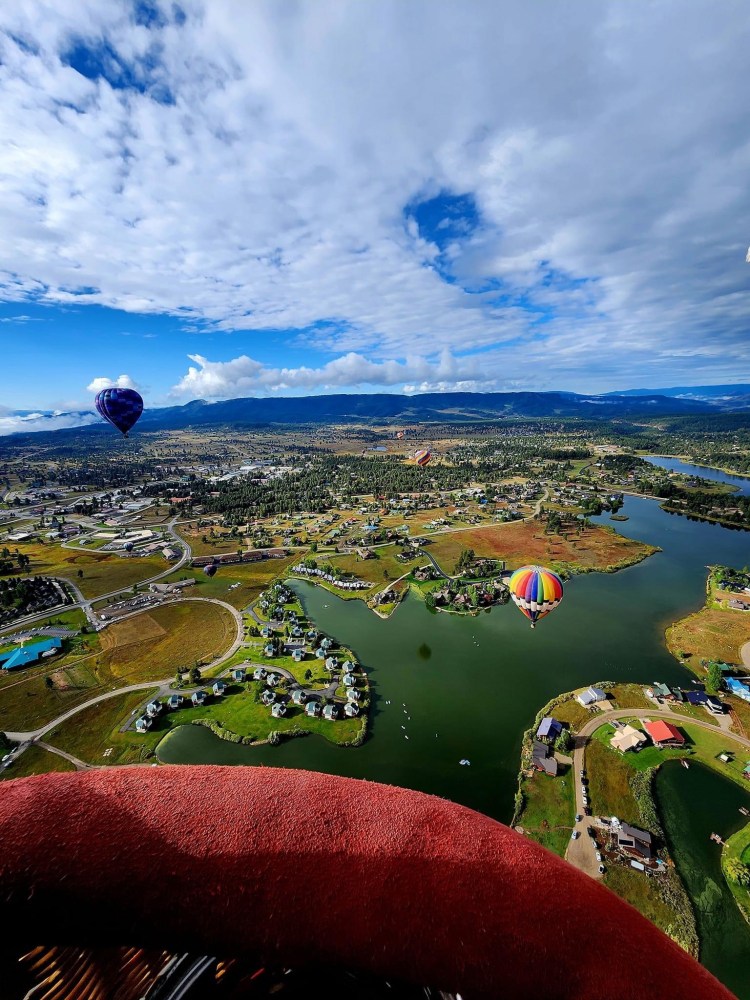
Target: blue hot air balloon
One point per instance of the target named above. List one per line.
(121, 407)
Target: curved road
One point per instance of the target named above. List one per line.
(580, 852)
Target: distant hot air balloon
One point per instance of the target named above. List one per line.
(422, 457)
(210, 570)
(535, 591)
(121, 407)
(399, 435)
(128, 546)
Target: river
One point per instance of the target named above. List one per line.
(694, 804)
(741, 483)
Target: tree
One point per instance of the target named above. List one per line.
(738, 871)
(713, 678)
(49, 682)
(80, 574)
(564, 741)
(195, 675)
(308, 674)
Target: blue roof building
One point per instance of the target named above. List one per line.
(737, 688)
(25, 656)
(549, 729)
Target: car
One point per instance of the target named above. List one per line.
(578, 817)
(575, 835)
(601, 869)
(582, 773)
(590, 831)
(599, 856)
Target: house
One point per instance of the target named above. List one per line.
(298, 654)
(353, 694)
(696, 697)
(219, 688)
(326, 643)
(737, 688)
(143, 724)
(348, 666)
(266, 632)
(259, 674)
(351, 709)
(153, 708)
(331, 712)
(169, 553)
(268, 697)
(269, 649)
(659, 690)
(627, 738)
(198, 697)
(320, 653)
(312, 708)
(631, 840)
(272, 679)
(238, 674)
(299, 697)
(278, 711)
(590, 696)
(349, 680)
(29, 654)
(331, 663)
(664, 734)
(549, 729)
(175, 700)
(541, 759)
(713, 705)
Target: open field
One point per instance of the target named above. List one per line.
(738, 846)
(35, 760)
(709, 634)
(102, 572)
(156, 643)
(642, 893)
(88, 734)
(520, 542)
(148, 646)
(378, 571)
(251, 577)
(548, 813)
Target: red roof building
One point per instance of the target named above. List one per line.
(664, 734)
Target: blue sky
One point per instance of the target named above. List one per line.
(220, 199)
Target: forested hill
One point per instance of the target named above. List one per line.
(454, 406)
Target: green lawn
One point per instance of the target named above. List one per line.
(251, 577)
(89, 733)
(738, 846)
(35, 760)
(548, 813)
(657, 906)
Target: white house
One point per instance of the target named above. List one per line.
(590, 696)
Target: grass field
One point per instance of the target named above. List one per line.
(103, 572)
(709, 634)
(738, 846)
(149, 646)
(520, 542)
(251, 577)
(549, 808)
(643, 894)
(155, 644)
(378, 571)
(35, 760)
(88, 734)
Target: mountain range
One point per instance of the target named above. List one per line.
(396, 408)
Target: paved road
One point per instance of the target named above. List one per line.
(581, 851)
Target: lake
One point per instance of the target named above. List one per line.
(471, 686)
(468, 687)
(694, 804)
(741, 483)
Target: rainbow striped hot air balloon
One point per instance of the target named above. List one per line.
(422, 457)
(536, 591)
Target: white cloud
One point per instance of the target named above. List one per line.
(14, 423)
(243, 376)
(605, 146)
(121, 382)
